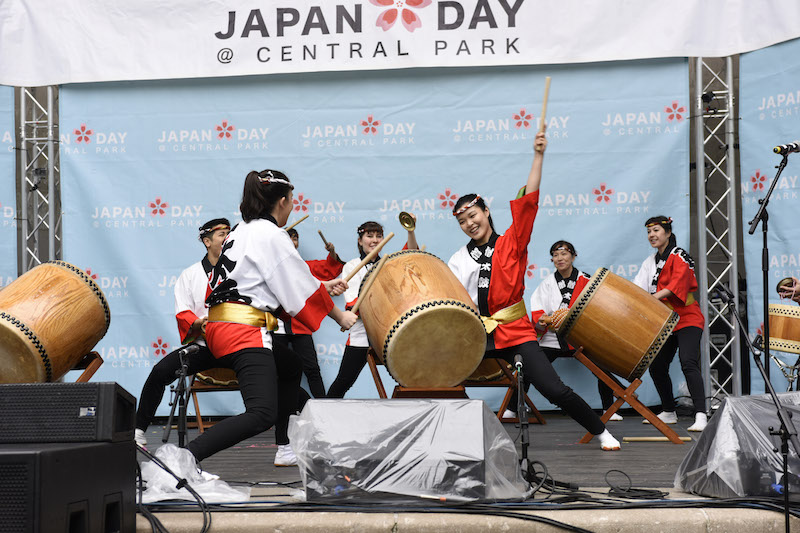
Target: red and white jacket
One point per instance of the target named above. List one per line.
(260, 267)
(509, 261)
(677, 275)
(324, 270)
(191, 291)
(547, 298)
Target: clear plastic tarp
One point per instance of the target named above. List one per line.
(413, 450)
(735, 455)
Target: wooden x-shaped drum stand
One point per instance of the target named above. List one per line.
(624, 395)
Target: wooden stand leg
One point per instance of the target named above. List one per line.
(624, 396)
(90, 363)
(373, 367)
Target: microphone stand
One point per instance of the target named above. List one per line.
(763, 216)
(522, 414)
(787, 431)
(179, 393)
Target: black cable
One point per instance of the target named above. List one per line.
(630, 492)
(155, 524)
(182, 483)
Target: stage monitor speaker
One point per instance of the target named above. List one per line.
(68, 487)
(65, 412)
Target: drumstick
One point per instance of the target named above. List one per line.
(322, 237)
(370, 257)
(653, 439)
(296, 223)
(368, 284)
(544, 103)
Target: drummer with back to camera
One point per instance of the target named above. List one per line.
(669, 276)
(503, 260)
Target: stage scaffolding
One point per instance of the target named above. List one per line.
(716, 213)
(39, 177)
(716, 217)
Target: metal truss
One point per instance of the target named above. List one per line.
(717, 219)
(39, 180)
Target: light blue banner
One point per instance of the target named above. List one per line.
(770, 116)
(145, 164)
(8, 189)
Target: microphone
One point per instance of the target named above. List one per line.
(188, 350)
(724, 294)
(787, 148)
(518, 362)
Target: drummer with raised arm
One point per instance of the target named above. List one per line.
(492, 269)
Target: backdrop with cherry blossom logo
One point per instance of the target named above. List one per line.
(770, 116)
(8, 189)
(144, 164)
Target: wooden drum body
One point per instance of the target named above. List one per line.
(423, 322)
(50, 317)
(620, 326)
(784, 328)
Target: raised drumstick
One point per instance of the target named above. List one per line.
(543, 116)
(370, 256)
(323, 238)
(368, 284)
(296, 223)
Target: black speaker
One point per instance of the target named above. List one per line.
(68, 487)
(65, 412)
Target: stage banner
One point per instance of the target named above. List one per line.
(74, 41)
(144, 164)
(8, 189)
(770, 116)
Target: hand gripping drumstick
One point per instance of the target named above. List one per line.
(543, 116)
(368, 284)
(370, 256)
(296, 223)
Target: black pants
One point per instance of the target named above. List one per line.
(606, 394)
(303, 346)
(538, 371)
(687, 342)
(353, 361)
(164, 373)
(265, 377)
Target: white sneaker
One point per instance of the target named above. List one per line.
(607, 441)
(668, 417)
(700, 422)
(616, 417)
(139, 438)
(285, 456)
(508, 413)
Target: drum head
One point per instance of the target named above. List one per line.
(20, 358)
(435, 345)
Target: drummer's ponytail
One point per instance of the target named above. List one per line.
(262, 190)
(472, 199)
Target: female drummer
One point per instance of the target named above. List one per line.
(669, 276)
(259, 272)
(560, 291)
(370, 234)
(503, 260)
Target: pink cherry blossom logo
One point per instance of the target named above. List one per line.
(675, 112)
(301, 203)
(84, 134)
(161, 347)
(530, 270)
(603, 194)
(760, 330)
(90, 273)
(758, 181)
(370, 125)
(522, 119)
(447, 199)
(403, 8)
(158, 207)
(225, 130)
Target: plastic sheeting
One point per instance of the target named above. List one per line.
(735, 454)
(378, 450)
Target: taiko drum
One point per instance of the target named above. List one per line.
(784, 328)
(620, 326)
(422, 321)
(50, 318)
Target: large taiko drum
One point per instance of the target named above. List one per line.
(50, 317)
(423, 322)
(784, 328)
(620, 326)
